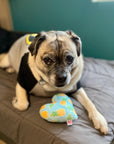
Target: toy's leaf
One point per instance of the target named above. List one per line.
(69, 117)
(51, 105)
(70, 108)
(54, 114)
(64, 99)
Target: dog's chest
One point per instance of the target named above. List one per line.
(48, 91)
(38, 90)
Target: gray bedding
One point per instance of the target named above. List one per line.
(29, 128)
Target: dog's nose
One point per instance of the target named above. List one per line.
(62, 78)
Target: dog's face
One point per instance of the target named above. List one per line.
(56, 55)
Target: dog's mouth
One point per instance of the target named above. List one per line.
(60, 85)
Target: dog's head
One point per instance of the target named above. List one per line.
(56, 55)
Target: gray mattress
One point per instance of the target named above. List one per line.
(29, 128)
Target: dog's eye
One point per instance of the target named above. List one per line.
(69, 59)
(48, 61)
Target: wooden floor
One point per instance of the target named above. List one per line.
(2, 142)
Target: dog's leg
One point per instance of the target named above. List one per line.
(20, 102)
(98, 120)
(4, 62)
(2, 55)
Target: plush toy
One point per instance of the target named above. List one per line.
(60, 110)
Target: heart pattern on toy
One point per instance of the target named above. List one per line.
(60, 110)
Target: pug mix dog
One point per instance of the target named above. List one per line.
(52, 63)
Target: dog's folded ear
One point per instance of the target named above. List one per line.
(76, 39)
(33, 48)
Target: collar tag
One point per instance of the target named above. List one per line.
(41, 82)
(69, 122)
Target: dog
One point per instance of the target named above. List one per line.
(52, 62)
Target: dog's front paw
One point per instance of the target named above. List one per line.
(20, 105)
(99, 121)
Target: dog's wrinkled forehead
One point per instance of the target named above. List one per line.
(55, 35)
(67, 38)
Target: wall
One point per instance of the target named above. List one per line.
(5, 15)
(93, 22)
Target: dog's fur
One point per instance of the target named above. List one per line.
(56, 63)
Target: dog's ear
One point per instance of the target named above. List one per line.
(33, 48)
(76, 39)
